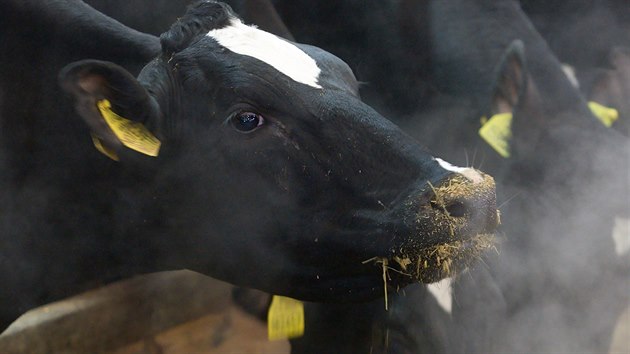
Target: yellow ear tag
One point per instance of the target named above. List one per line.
(285, 319)
(605, 114)
(131, 134)
(103, 149)
(497, 132)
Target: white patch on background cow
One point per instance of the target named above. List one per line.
(621, 235)
(469, 173)
(569, 71)
(280, 54)
(442, 291)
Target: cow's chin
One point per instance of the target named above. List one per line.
(434, 263)
(423, 239)
(395, 270)
(376, 274)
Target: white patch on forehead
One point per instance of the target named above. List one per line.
(469, 173)
(280, 54)
(442, 291)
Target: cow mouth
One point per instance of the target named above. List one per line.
(441, 261)
(454, 230)
(435, 233)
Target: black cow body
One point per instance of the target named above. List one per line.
(592, 37)
(41, 161)
(558, 268)
(264, 178)
(581, 33)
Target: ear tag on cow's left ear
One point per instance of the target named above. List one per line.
(285, 319)
(131, 134)
(497, 132)
(606, 115)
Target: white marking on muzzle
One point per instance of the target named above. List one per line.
(473, 175)
(442, 291)
(279, 53)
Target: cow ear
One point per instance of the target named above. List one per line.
(510, 80)
(515, 106)
(118, 110)
(604, 87)
(611, 88)
(620, 59)
(507, 93)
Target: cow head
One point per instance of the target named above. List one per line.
(273, 174)
(612, 87)
(559, 145)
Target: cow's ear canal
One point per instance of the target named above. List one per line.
(510, 79)
(507, 93)
(120, 113)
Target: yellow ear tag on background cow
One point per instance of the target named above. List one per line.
(131, 134)
(605, 114)
(285, 319)
(497, 132)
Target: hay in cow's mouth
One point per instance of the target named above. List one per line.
(445, 260)
(455, 228)
(456, 252)
(436, 262)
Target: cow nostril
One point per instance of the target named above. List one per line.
(454, 209)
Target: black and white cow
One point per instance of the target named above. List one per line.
(271, 173)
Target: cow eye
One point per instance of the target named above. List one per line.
(246, 122)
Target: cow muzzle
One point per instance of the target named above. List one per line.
(453, 224)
